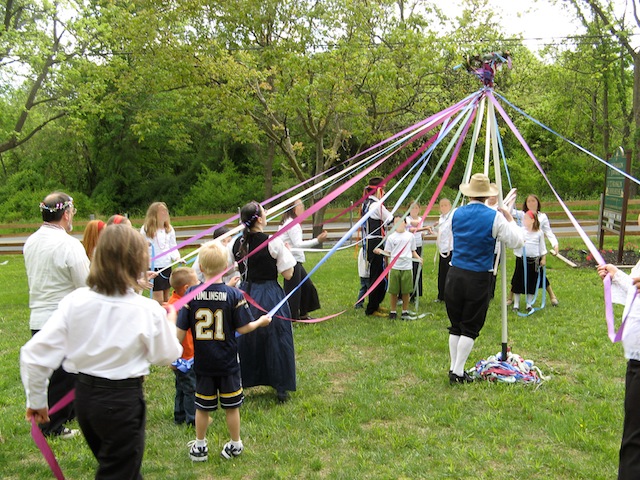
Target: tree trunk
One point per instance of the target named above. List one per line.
(268, 169)
(636, 111)
(318, 217)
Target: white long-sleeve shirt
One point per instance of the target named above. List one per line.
(622, 292)
(109, 337)
(293, 237)
(56, 265)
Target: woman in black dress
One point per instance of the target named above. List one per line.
(267, 355)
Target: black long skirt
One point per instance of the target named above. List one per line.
(267, 355)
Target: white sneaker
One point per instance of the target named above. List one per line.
(198, 454)
(229, 451)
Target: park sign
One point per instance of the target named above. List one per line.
(613, 208)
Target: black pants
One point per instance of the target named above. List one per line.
(60, 384)
(113, 423)
(630, 447)
(417, 276)
(443, 269)
(467, 300)
(376, 267)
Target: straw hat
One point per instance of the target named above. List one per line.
(479, 186)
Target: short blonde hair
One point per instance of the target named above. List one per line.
(213, 258)
(182, 276)
(120, 259)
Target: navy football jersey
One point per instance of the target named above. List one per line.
(213, 316)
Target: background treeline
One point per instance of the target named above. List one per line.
(208, 104)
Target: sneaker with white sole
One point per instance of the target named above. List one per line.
(229, 451)
(198, 454)
(68, 433)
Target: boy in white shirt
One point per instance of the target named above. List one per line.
(403, 243)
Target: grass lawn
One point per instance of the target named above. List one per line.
(373, 399)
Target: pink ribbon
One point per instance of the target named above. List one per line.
(452, 161)
(40, 440)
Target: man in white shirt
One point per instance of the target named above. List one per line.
(56, 264)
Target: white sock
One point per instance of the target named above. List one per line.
(237, 444)
(516, 300)
(201, 443)
(529, 299)
(464, 350)
(453, 349)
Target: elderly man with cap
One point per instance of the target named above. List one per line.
(56, 264)
(476, 228)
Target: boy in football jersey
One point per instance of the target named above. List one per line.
(214, 316)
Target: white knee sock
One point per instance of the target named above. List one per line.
(453, 349)
(465, 344)
(529, 299)
(516, 300)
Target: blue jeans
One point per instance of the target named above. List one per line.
(364, 286)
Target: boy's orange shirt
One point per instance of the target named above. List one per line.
(187, 343)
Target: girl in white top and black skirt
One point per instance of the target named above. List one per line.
(161, 237)
(526, 277)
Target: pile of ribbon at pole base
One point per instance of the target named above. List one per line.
(514, 370)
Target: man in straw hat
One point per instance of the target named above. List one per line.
(476, 228)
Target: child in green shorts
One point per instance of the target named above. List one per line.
(403, 243)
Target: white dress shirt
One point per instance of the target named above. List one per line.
(56, 265)
(114, 337)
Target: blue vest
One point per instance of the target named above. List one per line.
(473, 244)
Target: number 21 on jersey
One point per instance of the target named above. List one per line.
(209, 325)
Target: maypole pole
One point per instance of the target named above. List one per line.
(484, 67)
(491, 119)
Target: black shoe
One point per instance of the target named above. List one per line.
(283, 397)
(465, 378)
